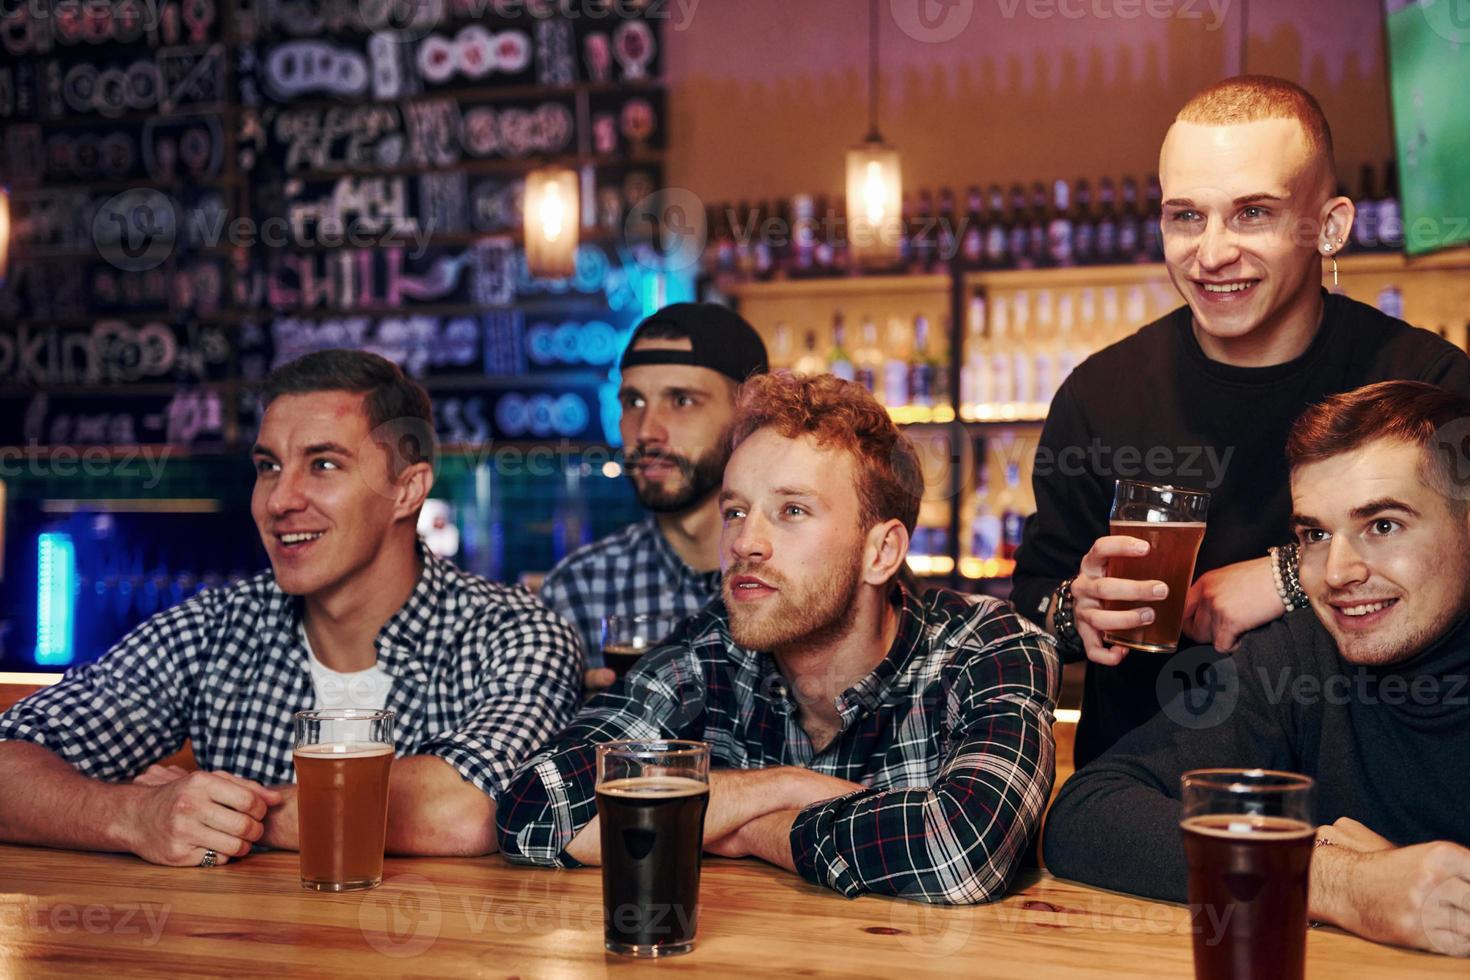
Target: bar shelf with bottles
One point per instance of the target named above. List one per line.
(1020, 296)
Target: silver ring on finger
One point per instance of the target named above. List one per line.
(210, 859)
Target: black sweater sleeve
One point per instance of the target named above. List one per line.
(1451, 371)
(1115, 823)
(1071, 508)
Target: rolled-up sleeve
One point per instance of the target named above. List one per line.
(960, 839)
(525, 688)
(553, 795)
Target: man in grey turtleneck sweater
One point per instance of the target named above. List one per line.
(1368, 691)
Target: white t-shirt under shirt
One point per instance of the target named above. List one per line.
(366, 689)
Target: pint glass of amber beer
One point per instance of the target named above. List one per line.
(1172, 521)
(1248, 840)
(651, 800)
(343, 756)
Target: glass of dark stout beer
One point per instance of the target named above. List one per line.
(343, 757)
(651, 799)
(1248, 837)
(1172, 521)
(626, 638)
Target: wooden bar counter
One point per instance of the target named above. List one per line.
(116, 916)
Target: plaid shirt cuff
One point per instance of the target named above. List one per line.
(814, 847)
(538, 817)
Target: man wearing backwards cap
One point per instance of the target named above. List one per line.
(680, 372)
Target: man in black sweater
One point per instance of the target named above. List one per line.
(1368, 691)
(1203, 398)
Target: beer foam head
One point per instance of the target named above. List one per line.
(1245, 825)
(644, 787)
(344, 750)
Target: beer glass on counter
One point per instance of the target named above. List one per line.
(1172, 521)
(343, 757)
(1248, 837)
(651, 801)
(626, 638)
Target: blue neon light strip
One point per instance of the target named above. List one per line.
(56, 573)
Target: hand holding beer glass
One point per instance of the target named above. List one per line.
(1132, 586)
(343, 758)
(651, 801)
(1248, 838)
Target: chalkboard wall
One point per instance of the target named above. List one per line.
(201, 192)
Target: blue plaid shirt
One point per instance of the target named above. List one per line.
(950, 735)
(482, 675)
(635, 571)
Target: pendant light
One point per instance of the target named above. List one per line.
(874, 180)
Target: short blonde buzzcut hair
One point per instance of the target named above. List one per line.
(1252, 98)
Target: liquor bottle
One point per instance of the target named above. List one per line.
(984, 522)
(1002, 366)
(1153, 233)
(1107, 222)
(1036, 228)
(724, 242)
(972, 243)
(975, 373)
(1069, 347)
(1023, 371)
(997, 252)
(924, 369)
(823, 254)
(925, 243)
(842, 263)
(744, 242)
(1365, 225)
(781, 241)
(896, 365)
(709, 255)
(765, 259)
(1060, 229)
(1044, 350)
(906, 238)
(1012, 519)
(1390, 302)
(810, 362)
(1130, 224)
(946, 234)
(1390, 215)
(867, 361)
(1016, 223)
(1084, 225)
(781, 352)
(804, 235)
(838, 363)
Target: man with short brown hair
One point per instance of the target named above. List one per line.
(863, 737)
(1368, 691)
(1203, 398)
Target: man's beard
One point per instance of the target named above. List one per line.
(698, 479)
(800, 614)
